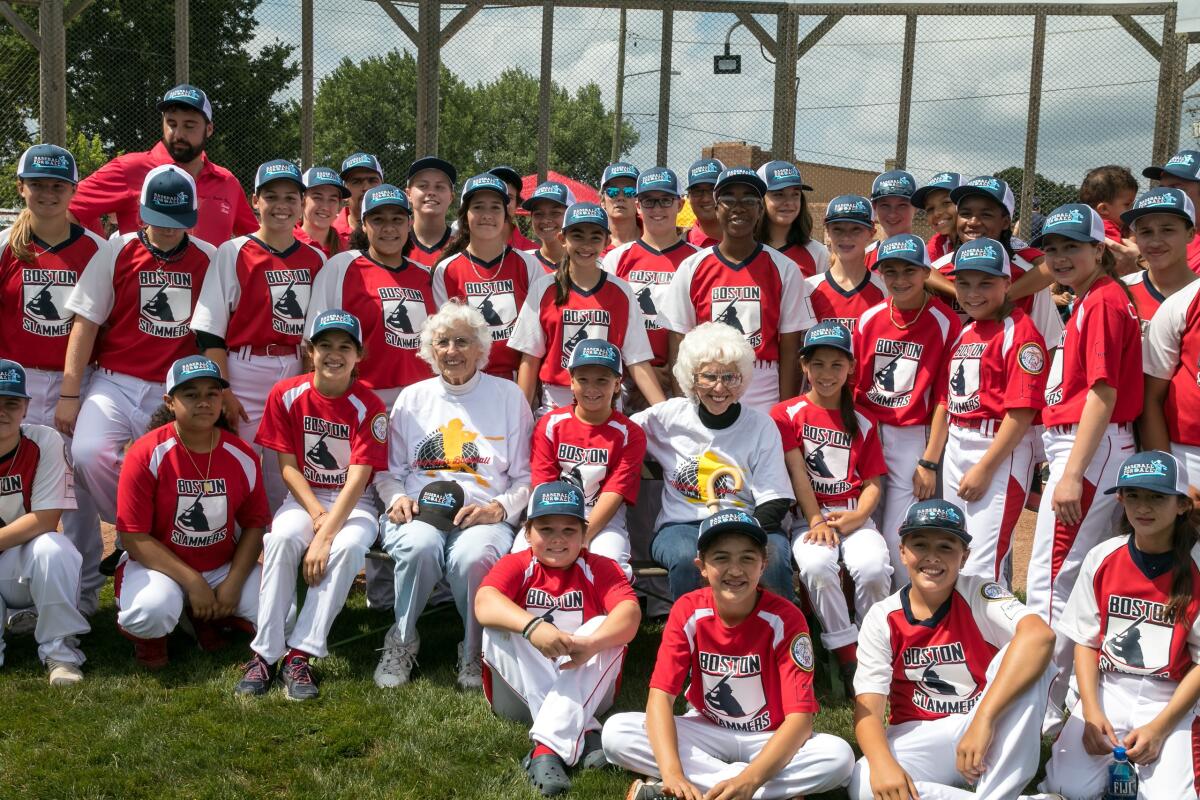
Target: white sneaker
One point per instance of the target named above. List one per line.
(398, 660)
(470, 674)
(62, 673)
(22, 622)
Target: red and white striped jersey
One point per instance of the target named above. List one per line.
(648, 273)
(837, 462)
(1172, 353)
(996, 366)
(830, 302)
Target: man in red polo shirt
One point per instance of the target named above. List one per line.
(116, 187)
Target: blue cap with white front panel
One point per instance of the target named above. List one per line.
(361, 161)
(659, 179)
(943, 181)
(385, 194)
(278, 169)
(986, 186)
(485, 182)
(621, 169)
(1185, 164)
(324, 176)
(12, 379)
(850, 208)
(780, 175)
(585, 214)
(704, 172)
(192, 368)
(552, 191)
(189, 96)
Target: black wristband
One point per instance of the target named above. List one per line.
(932, 466)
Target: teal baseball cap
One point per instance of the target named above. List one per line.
(1154, 471)
(192, 368)
(48, 161)
(385, 194)
(828, 334)
(336, 319)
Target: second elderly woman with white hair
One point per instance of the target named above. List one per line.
(715, 453)
(457, 483)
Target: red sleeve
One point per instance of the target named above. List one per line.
(1112, 230)
(1025, 367)
(99, 193)
(136, 490)
(507, 575)
(244, 221)
(795, 679)
(1103, 341)
(870, 461)
(625, 477)
(611, 581)
(543, 465)
(369, 445)
(787, 431)
(274, 433)
(674, 655)
(255, 512)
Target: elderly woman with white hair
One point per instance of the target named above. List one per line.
(715, 453)
(457, 482)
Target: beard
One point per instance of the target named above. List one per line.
(184, 152)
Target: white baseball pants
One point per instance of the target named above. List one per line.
(864, 554)
(762, 391)
(562, 703)
(1189, 456)
(251, 379)
(925, 748)
(150, 603)
(43, 573)
(711, 754)
(903, 447)
(283, 551)
(82, 525)
(992, 518)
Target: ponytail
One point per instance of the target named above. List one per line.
(1108, 264)
(846, 407)
(562, 280)
(20, 236)
(333, 242)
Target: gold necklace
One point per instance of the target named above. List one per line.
(475, 267)
(13, 462)
(195, 466)
(907, 325)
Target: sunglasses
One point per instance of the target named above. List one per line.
(620, 191)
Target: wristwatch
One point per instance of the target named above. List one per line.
(932, 466)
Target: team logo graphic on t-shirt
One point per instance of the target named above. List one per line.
(497, 302)
(894, 372)
(326, 451)
(585, 467)
(1137, 636)
(691, 478)
(201, 513)
(733, 691)
(942, 680)
(290, 291)
(827, 454)
(403, 315)
(1054, 379)
(964, 378)
(644, 283)
(12, 499)
(579, 324)
(166, 303)
(453, 448)
(738, 307)
(564, 612)
(45, 293)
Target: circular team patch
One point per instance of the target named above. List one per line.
(802, 652)
(379, 427)
(1032, 358)
(994, 591)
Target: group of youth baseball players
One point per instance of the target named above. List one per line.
(236, 385)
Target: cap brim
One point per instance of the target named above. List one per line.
(319, 334)
(753, 531)
(163, 105)
(224, 384)
(468, 195)
(440, 521)
(1155, 489)
(810, 347)
(589, 363)
(701, 182)
(1153, 173)
(865, 224)
(430, 162)
(918, 197)
(787, 184)
(510, 176)
(958, 193)
(348, 170)
(557, 513)
(986, 271)
(1041, 238)
(756, 183)
(7, 393)
(161, 220)
(1137, 213)
(962, 536)
(34, 175)
(911, 261)
(287, 178)
(528, 203)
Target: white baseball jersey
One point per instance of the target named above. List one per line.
(1171, 352)
(36, 476)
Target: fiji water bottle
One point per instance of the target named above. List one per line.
(1122, 778)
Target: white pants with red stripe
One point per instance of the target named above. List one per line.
(762, 391)
(1129, 702)
(150, 603)
(1058, 549)
(864, 554)
(1189, 456)
(992, 517)
(711, 754)
(81, 526)
(562, 703)
(903, 447)
(251, 378)
(611, 542)
(43, 574)
(926, 748)
(284, 547)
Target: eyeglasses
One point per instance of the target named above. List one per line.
(707, 380)
(459, 342)
(730, 202)
(619, 191)
(656, 202)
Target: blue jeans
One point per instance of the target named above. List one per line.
(674, 548)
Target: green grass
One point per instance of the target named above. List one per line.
(126, 734)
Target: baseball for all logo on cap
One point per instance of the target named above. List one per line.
(187, 95)
(336, 319)
(168, 198)
(279, 169)
(362, 161)
(906, 247)
(585, 214)
(12, 379)
(987, 186)
(1162, 200)
(943, 181)
(620, 169)
(1074, 221)
(384, 195)
(704, 172)
(48, 161)
(596, 352)
(850, 208)
(1185, 164)
(324, 176)
(982, 255)
(551, 191)
(485, 182)
(894, 183)
(191, 368)
(658, 179)
(1153, 470)
(828, 334)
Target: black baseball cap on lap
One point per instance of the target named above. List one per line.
(438, 504)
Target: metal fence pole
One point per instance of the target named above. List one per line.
(906, 81)
(52, 73)
(182, 40)
(787, 39)
(664, 86)
(545, 91)
(429, 23)
(1166, 120)
(1029, 176)
(618, 104)
(306, 84)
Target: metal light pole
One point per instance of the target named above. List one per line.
(618, 112)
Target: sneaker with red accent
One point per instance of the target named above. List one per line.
(210, 638)
(257, 677)
(299, 682)
(151, 653)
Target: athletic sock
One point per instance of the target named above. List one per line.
(846, 654)
(540, 749)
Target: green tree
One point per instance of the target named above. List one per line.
(1051, 193)
(18, 86)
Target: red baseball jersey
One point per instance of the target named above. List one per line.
(939, 245)
(1193, 254)
(873, 254)
(302, 236)
(902, 357)
(648, 273)
(427, 257)
(598, 458)
(566, 598)
(1120, 607)
(1039, 306)
(932, 668)
(548, 266)
(1101, 343)
(1172, 353)
(762, 296)
(341, 223)
(1112, 231)
(1146, 297)
(837, 462)
(995, 366)
(498, 289)
(191, 502)
(35, 475)
(325, 434)
(550, 332)
(257, 296)
(144, 299)
(34, 320)
(745, 677)
(519, 241)
(831, 302)
(698, 239)
(811, 258)
(117, 188)
(391, 305)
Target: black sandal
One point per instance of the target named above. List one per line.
(547, 773)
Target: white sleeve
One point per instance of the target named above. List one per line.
(769, 478)
(1045, 316)
(440, 297)
(1163, 342)
(220, 292)
(1080, 620)
(794, 304)
(636, 348)
(820, 254)
(389, 484)
(52, 483)
(612, 260)
(516, 497)
(995, 609)
(874, 672)
(93, 296)
(533, 267)
(677, 313)
(527, 335)
(327, 286)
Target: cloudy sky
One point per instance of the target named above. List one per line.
(970, 86)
